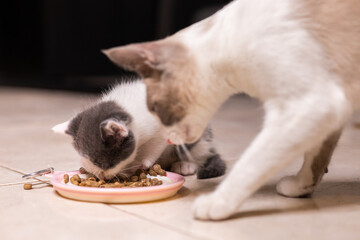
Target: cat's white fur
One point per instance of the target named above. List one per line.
(271, 56)
(302, 69)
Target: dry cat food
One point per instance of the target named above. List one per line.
(27, 186)
(139, 179)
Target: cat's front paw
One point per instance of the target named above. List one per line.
(213, 207)
(184, 168)
(292, 186)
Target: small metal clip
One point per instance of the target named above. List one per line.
(39, 173)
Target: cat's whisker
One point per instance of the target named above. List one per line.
(186, 150)
(179, 152)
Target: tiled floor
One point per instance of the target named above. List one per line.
(27, 144)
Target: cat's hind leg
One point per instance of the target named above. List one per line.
(314, 167)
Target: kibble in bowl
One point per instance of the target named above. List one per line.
(141, 178)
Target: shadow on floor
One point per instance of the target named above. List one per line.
(330, 194)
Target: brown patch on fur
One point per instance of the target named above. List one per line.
(356, 125)
(165, 101)
(322, 159)
(336, 25)
(169, 74)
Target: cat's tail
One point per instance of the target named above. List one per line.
(213, 167)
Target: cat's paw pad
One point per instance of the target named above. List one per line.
(291, 186)
(212, 207)
(184, 168)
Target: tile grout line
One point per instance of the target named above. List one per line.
(160, 224)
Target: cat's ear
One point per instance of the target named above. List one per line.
(147, 59)
(113, 132)
(62, 128)
(140, 58)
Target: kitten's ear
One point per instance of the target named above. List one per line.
(147, 59)
(113, 131)
(62, 128)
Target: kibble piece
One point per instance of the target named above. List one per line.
(92, 179)
(162, 172)
(142, 175)
(27, 186)
(66, 178)
(133, 184)
(74, 181)
(76, 177)
(94, 184)
(156, 168)
(152, 172)
(154, 181)
(134, 178)
(138, 184)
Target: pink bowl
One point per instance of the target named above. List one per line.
(117, 195)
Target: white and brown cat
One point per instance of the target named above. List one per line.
(301, 58)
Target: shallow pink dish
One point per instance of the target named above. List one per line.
(117, 195)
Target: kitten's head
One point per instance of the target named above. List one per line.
(176, 92)
(102, 135)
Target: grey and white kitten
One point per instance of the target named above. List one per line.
(118, 135)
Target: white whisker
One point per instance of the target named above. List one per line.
(186, 151)
(179, 152)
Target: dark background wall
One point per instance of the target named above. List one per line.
(56, 44)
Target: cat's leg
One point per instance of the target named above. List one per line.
(315, 166)
(184, 168)
(185, 164)
(291, 128)
(200, 157)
